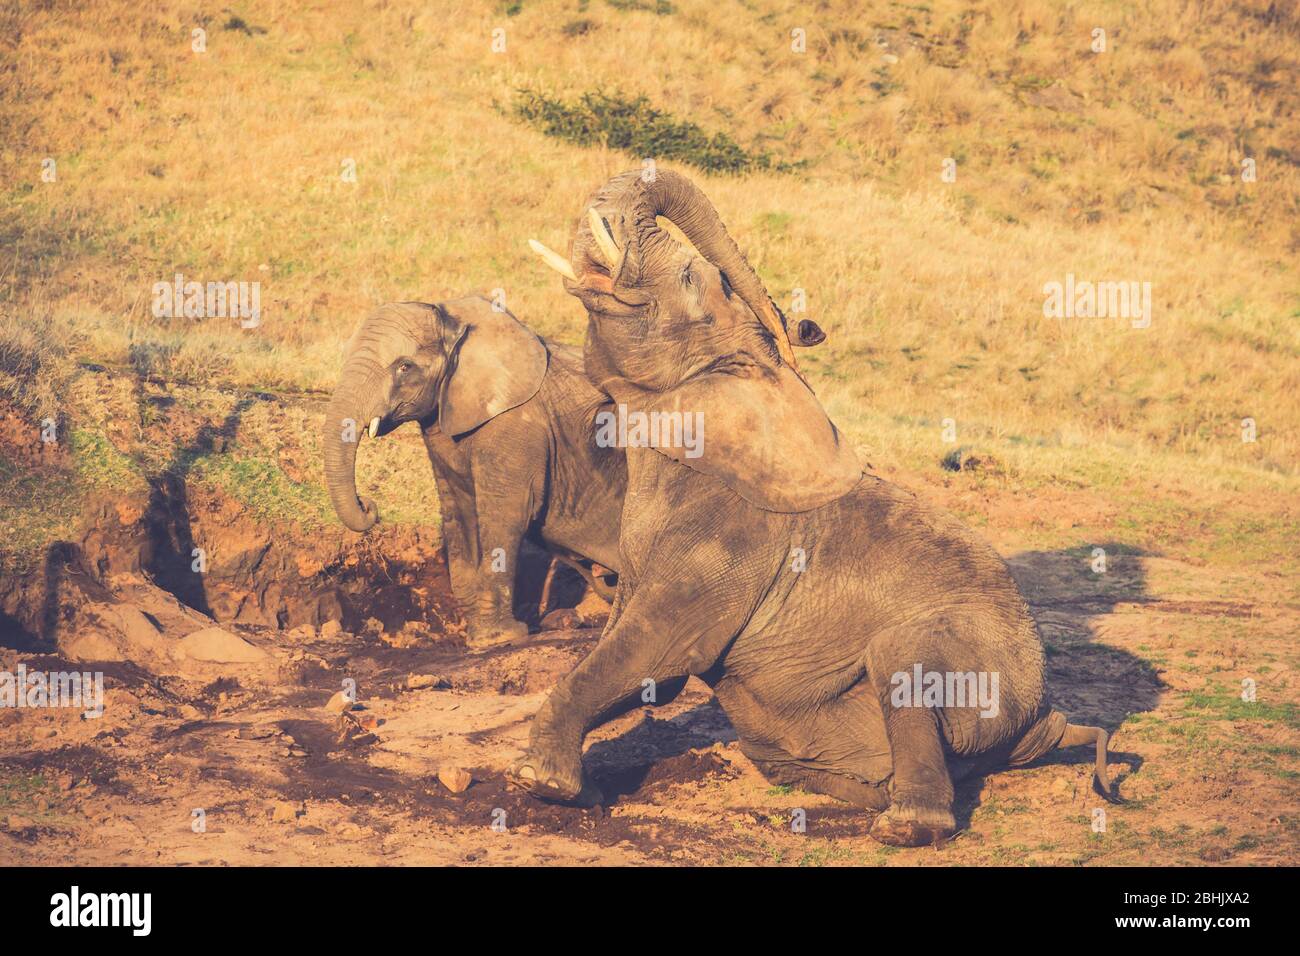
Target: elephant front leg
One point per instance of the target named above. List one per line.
(642, 658)
(489, 614)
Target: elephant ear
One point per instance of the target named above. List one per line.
(494, 363)
(765, 436)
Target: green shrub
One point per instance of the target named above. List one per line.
(636, 127)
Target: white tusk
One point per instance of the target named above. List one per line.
(608, 247)
(374, 427)
(553, 259)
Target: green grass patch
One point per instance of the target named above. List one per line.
(633, 125)
(266, 490)
(1219, 703)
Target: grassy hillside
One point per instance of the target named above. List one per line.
(229, 164)
(344, 154)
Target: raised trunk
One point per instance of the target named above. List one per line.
(680, 201)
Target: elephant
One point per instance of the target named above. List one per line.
(812, 596)
(507, 420)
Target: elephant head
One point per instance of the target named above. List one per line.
(454, 365)
(671, 331)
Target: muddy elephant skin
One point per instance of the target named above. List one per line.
(808, 594)
(508, 421)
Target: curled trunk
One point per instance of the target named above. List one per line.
(346, 419)
(682, 203)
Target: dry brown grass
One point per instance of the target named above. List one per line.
(1122, 165)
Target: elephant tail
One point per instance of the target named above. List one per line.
(1077, 734)
(1053, 732)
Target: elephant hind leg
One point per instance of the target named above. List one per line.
(782, 768)
(839, 750)
(868, 796)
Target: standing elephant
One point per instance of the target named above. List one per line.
(508, 422)
(812, 597)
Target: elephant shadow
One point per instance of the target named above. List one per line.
(1069, 592)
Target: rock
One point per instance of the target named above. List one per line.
(15, 822)
(564, 619)
(421, 681)
(340, 703)
(139, 630)
(1060, 787)
(66, 781)
(303, 632)
(455, 779)
(92, 646)
(282, 812)
(219, 646)
(330, 630)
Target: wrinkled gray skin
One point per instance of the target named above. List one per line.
(508, 421)
(801, 661)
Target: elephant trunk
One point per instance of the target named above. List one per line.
(681, 202)
(345, 420)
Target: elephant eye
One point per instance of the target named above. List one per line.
(404, 368)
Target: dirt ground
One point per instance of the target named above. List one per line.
(243, 763)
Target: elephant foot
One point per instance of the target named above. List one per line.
(913, 824)
(485, 638)
(547, 779)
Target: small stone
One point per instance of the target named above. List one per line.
(282, 812)
(421, 681)
(331, 629)
(564, 619)
(219, 646)
(455, 779)
(15, 822)
(340, 703)
(1060, 786)
(66, 781)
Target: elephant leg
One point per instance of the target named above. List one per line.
(920, 811)
(491, 618)
(839, 749)
(641, 648)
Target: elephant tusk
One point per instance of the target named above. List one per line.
(604, 239)
(373, 431)
(554, 260)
